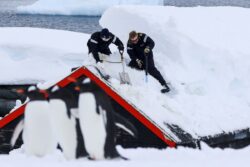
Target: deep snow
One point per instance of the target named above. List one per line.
(202, 51)
(208, 67)
(206, 157)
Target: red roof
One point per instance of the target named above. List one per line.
(83, 71)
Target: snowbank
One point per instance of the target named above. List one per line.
(196, 49)
(204, 52)
(180, 157)
(79, 7)
(30, 55)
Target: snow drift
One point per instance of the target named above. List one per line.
(204, 53)
(79, 7)
(146, 157)
(31, 55)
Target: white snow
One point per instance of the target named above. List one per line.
(49, 53)
(210, 78)
(79, 7)
(206, 157)
(202, 51)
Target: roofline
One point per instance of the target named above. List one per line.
(112, 93)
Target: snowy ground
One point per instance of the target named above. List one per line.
(49, 53)
(197, 50)
(203, 52)
(206, 157)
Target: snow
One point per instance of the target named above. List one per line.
(202, 51)
(210, 76)
(206, 157)
(79, 7)
(50, 53)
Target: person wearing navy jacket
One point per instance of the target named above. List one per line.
(99, 42)
(139, 48)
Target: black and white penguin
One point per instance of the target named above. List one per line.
(37, 124)
(97, 121)
(63, 104)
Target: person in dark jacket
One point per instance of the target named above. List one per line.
(139, 48)
(99, 42)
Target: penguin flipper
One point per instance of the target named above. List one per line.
(117, 156)
(125, 125)
(16, 133)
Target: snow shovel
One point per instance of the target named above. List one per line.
(124, 77)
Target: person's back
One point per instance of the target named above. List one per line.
(99, 43)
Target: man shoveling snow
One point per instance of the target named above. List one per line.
(139, 48)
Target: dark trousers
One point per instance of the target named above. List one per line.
(96, 56)
(152, 70)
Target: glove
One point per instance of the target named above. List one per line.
(121, 49)
(139, 62)
(147, 50)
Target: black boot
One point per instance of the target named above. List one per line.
(165, 89)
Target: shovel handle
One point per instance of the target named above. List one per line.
(121, 53)
(122, 60)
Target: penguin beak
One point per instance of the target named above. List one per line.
(77, 88)
(20, 91)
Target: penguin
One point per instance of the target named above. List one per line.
(97, 122)
(62, 102)
(36, 125)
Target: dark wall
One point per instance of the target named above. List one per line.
(8, 97)
(5, 137)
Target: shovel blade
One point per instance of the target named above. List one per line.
(124, 78)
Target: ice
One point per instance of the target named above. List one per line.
(79, 7)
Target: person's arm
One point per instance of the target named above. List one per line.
(148, 41)
(131, 52)
(93, 44)
(118, 43)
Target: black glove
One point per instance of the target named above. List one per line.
(96, 56)
(121, 49)
(139, 62)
